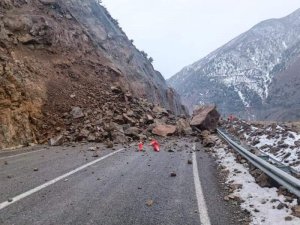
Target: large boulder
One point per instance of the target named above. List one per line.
(56, 141)
(119, 137)
(205, 118)
(183, 127)
(133, 132)
(164, 130)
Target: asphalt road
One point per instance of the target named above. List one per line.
(114, 190)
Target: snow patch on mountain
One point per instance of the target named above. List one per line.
(247, 65)
(243, 99)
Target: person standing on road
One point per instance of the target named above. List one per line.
(154, 144)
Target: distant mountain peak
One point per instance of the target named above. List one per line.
(295, 13)
(239, 76)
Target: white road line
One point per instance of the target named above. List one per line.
(36, 189)
(194, 146)
(26, 153)
(203, 214)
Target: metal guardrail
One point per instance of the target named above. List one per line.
(266, 157)
(283, 178)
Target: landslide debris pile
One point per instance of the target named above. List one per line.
(279, 140)
(120, 118)
(60, 56)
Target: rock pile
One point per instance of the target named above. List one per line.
(205, 118)
(120, 119)
(208, 139)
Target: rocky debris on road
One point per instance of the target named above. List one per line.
(92, 149)
(173, 174)
(149, 202)
(209, 139)
(183, 127)
(119, 120)
(56, 141)
(233, 197)
(95, 155)
(164, 130)
(133, 132)
(109, 144)
(205, 118)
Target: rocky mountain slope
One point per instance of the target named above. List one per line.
(254, 76)
(62, 55)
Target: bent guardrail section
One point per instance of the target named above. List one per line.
(283, 178)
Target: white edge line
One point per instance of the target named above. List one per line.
(25, 153)
(36, 189)
(203, 212)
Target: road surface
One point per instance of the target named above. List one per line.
(67, 185)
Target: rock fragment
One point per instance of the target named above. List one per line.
(56, 141)
(173, 174)
(149, 202)
(77, 112)
(164, 130)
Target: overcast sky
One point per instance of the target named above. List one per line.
(177, 33)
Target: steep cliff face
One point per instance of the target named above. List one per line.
(240, 77)
(104, 31)
(57, 54)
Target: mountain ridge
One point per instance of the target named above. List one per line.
(243, 68)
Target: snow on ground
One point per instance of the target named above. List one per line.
(276, 141)
(260, 202)
(287, 150)
(263, 140)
